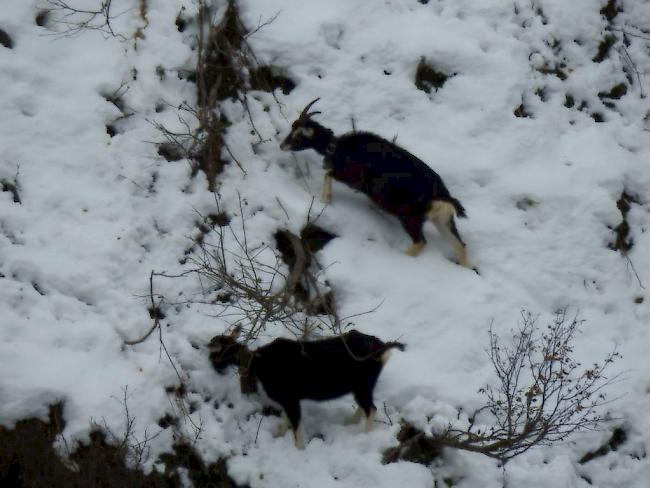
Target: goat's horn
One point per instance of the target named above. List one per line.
(314, 113)
(306, 109)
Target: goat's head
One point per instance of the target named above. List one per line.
(225, 351)
(302, 132)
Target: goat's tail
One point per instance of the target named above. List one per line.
(460, 210)
(387, 347)
(399, 345)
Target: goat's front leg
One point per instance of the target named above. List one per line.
(283, 427)
(326, 193)
(413, 226)
(370, 418)
(354, 418)
(292, 410)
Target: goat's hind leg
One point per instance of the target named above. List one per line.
(326, 193)
(364, 399)
(284, 425)
(354, 418)
(442, 216)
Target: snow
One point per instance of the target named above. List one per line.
(98, 214)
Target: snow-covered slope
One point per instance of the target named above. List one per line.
(98, 213)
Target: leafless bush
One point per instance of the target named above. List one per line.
(132, 449)
(542, 394)
(252, 292)
(250, 287)
(75, 20)
(176, 395)
(226, 68)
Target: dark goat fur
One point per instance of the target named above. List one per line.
(290, 371)
(396, 180)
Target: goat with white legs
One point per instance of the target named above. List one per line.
(393, 178)
(290, 371)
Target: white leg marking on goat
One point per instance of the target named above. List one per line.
(326, 193)
(369, 420)
(300, 439)
(440, 215)
(354, 418)
(284, 426)
(415, 249)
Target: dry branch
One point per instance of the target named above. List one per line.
(542, 396)
(226, 68)
(75, 21)
(254, 293)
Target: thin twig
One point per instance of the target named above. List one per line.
(154, 313)
(277, 199)
(630, 265)
(258, 428)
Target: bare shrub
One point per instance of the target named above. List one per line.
(75, 20)
(252, 292)
(28, 458)
(226, 68)
(542, 395)
(135, 451)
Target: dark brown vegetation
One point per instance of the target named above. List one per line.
(28, 459)
(622, 241)
(227, 68)
(42, 18)
(604, 47)
(428, 78)
(266, 78)
(414, 446)
(617, 92)
(6, 40)
(610, 10)
(521, 111)
(297, 253)
(618, 438)
(558, 70)
(214, 475)
(11, 187)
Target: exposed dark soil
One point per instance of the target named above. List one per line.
(6, 40)
(428, 78)
(618, 438)
(623, 242)
(28, 460)
(414, 446)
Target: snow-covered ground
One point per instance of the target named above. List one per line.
(98, 213)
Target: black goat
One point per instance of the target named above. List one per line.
(291, 371)
(393, 178)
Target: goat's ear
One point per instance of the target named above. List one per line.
(308, 131)
(215, 343)
(235, 332)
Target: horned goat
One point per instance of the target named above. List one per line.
(290, 371)
(396, 180)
